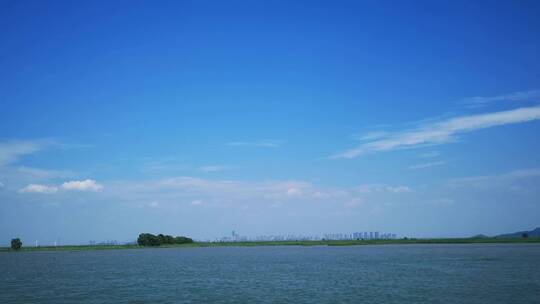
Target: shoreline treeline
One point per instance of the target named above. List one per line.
(16, 244)
(148, 239)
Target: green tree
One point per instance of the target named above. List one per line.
(169, 239)
(182, 240)
(16, 244)
(165, 239)
(525, 235)
(148, 239)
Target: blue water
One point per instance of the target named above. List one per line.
(496, 273)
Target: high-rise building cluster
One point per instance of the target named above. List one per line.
(371, 235)
(365, 235)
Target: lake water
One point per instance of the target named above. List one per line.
(496, 273)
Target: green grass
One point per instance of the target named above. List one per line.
(289, 243)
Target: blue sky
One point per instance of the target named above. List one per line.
(419, 118)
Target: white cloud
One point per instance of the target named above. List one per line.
(11, 151)
(354, 203)
(441, 202)
(36, 188)
(238, 189)
(1, 185)
(213, 168)
(197, 202)
(495, 180)
(515, 187)
(430, 154)
(294, 192)
(220, 191)
(261, 144)
(427, 165)
(372, 188)
(442, 132)
(85, 185)
(164, 164)
(41, 173)
(371, 135)
(479, 101)
(399, 189)
(153, 204)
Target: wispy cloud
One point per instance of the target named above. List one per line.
(153, 204)
(430, 154)
(371, 135)
(37, 188)
(496, 179)
(514, 186)
(479, 101)
(11, 151)
(85, 185)
(354, 203)
(163, 164)
(427, 165)
(197, 202)
(214, 168)
(441, 132)
(191, 190)
(239, 189)
(374, 188)
(43, 173)
(260, 144)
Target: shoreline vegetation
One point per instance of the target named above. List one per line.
(148, 239)
(286, 243)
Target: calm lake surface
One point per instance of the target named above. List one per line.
(493, 273)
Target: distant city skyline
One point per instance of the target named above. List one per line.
(418, 118)
(365, 235)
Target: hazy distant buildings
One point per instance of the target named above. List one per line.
(366, 235)
(363, 235)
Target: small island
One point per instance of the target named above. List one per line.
(148, 239)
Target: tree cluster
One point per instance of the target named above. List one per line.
(148, 239)
(16, 244)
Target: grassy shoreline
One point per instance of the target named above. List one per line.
(288, 243)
